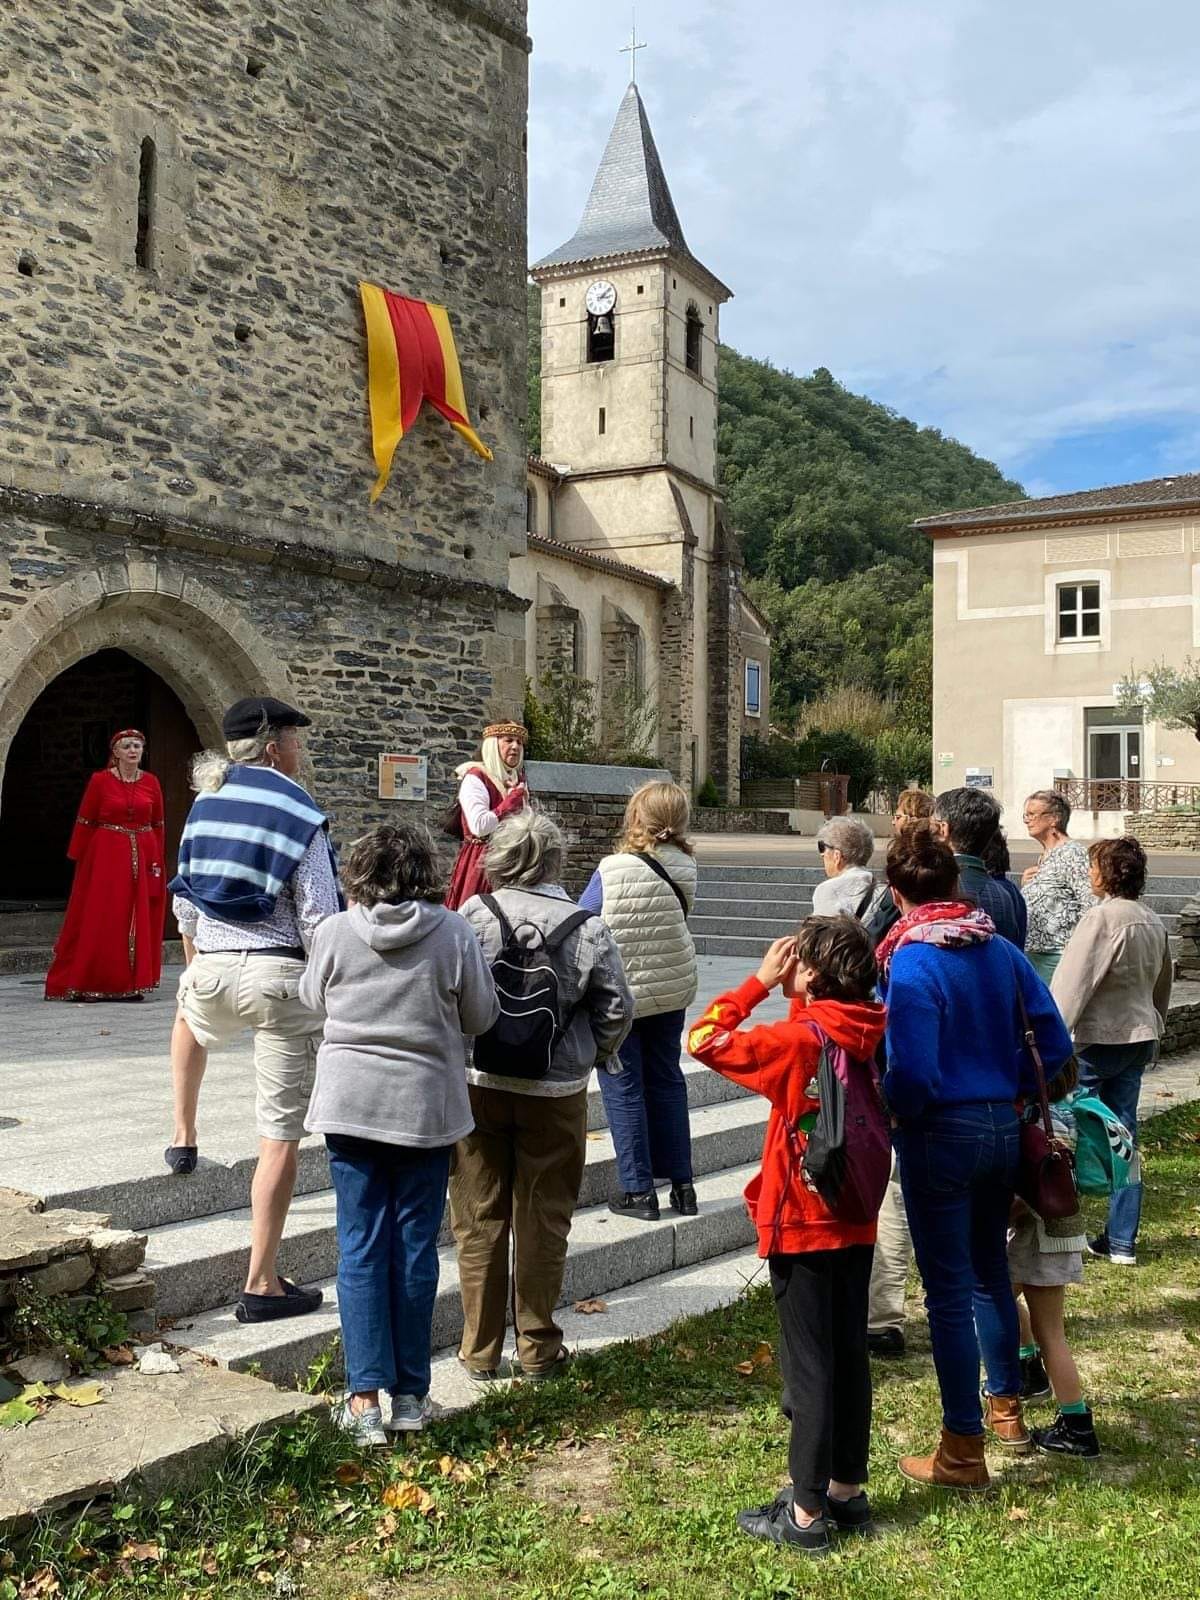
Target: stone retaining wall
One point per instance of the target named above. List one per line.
(1178, 830)
(738, 819)
(588, 803)
(1183, 1029)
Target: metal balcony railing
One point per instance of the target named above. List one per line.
(1128, 794)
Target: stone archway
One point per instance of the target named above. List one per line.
(196, 641)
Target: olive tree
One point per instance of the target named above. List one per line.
(1170, 695)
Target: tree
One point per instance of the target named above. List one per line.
(1170, 695)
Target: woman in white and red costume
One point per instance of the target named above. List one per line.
(488, 790)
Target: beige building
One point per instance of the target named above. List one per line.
(1040, 608)
(631, 571)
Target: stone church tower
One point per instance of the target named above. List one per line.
(630, 331)
(192, 194)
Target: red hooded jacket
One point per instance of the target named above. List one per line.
(779, 1061)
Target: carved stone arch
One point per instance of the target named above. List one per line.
(197, 642)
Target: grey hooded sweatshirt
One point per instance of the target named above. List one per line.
(400, 986)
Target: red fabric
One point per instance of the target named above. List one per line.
(468, 877)
(779, 1061)
(918, 916)
(110, 944)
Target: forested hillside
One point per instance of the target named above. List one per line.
(822, 485)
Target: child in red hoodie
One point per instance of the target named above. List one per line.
(820, 1267)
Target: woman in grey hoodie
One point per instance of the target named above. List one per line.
(400, 980)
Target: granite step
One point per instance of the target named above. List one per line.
(145, 1195)
(201, 1263)
(606, 1253)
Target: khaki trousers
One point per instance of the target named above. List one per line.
(893, 1252)
(515, 1177)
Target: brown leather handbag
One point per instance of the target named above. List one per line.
(1046, 1167)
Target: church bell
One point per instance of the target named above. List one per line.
(604, 324)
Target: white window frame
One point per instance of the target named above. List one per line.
(1102, 578)
(756, 709)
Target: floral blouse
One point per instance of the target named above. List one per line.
(1057, 897)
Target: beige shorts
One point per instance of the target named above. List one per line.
(1043, 1269)
(220, 995)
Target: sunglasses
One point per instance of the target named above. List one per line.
(822, 846)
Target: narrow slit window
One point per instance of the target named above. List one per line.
(691, 427)
(147, 180)
(602, 419)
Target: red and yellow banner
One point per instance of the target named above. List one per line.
(410, 359)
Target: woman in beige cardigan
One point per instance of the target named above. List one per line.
(1113, 987)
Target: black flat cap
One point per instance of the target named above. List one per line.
(247, 717)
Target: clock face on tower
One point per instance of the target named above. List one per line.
(600, 298)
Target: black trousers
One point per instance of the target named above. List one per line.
(821, 1299)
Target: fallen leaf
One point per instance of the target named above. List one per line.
(590, 1308)
(349, 1472)
(301, 1544)
(210, 1566)
(17, 1413)
(105, 1032)
(42, 1584)
(79, 1394)
(1018, 1514)
(387, 1524)
(118, 1355)
(140, 1552)
(762, 1357)
(408, 1497)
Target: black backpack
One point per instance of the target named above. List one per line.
(522, 1041)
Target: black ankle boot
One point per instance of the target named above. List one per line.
(1035, 1384)
(1070, 1434)
(642, 1206)
(683, 1199)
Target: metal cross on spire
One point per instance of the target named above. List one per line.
(631, 49)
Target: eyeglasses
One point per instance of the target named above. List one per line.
(821, 847)
(1033, 816)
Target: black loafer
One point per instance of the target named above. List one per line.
(776, 1524)
(181, 1158)
(642, 1206)
(293, 1302)
(544, 1374)
(887, 1342)
(683, 1199)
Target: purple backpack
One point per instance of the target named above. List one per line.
(848, 1156)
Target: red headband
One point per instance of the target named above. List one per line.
(125, 733)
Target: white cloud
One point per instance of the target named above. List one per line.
(982, 214)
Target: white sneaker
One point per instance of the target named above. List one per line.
(410, 1413)
(364, 1427)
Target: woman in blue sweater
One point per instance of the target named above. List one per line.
(956, 1066)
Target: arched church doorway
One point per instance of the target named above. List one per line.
(61, 742)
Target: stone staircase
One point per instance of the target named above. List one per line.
(740, 909)
(198, 1236)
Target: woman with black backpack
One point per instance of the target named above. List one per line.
(565, 1006)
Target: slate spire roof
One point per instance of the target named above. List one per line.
(630, 208)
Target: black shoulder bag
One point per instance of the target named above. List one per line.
(661, 872)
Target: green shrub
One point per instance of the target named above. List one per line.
(709, 795)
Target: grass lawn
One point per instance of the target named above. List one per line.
(622, 1479)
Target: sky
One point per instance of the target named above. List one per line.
(983, 213)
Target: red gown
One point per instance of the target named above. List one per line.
(110, 945)
(468, 877)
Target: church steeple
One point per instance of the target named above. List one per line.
(629, 209)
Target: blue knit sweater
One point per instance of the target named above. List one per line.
(953, 1030)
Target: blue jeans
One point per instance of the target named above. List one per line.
(646, 1106)
(390, 1200)
(1113, 1073)
(958, 1165)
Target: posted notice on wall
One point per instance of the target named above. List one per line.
(979, 778)
(403, 777)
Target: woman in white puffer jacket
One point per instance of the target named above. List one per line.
(644, 891)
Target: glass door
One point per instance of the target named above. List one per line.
(1114, 761)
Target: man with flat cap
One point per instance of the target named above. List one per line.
(256, 875)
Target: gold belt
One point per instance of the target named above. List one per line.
(115, 827)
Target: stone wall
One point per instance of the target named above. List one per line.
(588, 803)
(298, 148)
(743, 819)
(1165, 830)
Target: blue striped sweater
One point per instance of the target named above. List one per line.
(242, 843)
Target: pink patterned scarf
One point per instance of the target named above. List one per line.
(951, 923)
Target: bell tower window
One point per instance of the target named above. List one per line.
(694, 341)
(600, 303)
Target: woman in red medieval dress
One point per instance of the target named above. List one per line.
(110, 946)
(489, 790)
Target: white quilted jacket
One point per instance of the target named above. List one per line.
(648, 925)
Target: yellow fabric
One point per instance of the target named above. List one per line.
(455, 395)
(383, 383)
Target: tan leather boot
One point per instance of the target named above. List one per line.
(957, 1463)
(1002, 1418)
